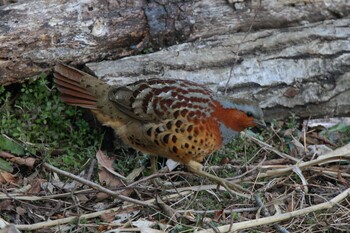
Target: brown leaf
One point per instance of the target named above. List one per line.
(105, 176)
(108, 217)
(82, 198)
(29, 162)
(103, 160)
(343, 180)
(6, 177)
(36, 185)
(101, 196)
(103, 228)
(20, 211)
(217, 215)
(291, 205)
(6, 205)
(224, 160)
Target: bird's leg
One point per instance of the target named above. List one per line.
(157, 181)
(197, 168)
(153, 164)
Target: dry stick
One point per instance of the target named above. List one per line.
(226, 211)
(336, 155)
(330, 172)
(271, 148)
(154, 175)
(97, 186)
(265, 212)
(280, 217)
(40, 225)
(19, 196)
(91, 169)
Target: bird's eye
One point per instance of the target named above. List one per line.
(249, 114)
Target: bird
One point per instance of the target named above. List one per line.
(172, 118)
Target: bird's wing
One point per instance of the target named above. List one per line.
(155, 100)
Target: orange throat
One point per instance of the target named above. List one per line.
(232, 118)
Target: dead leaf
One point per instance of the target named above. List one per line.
(6, 205)
(291, 205)
(36, 185)
(108, 217)
(103, 160)
(47, 186)
(82, 198)
(29, 162)
(101, 196)
(343, 180)
(218, 215)
(224, 160)
(105, 175)
(6, 177)
(135, 173)
(20, 211)
(121, 216)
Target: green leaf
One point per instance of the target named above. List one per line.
(5, 166)
(7, 144)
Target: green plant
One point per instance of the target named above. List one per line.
(43, 125)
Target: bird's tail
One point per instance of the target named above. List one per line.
(76, 87)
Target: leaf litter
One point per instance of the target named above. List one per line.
(301, 173)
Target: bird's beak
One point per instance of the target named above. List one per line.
(260, 122)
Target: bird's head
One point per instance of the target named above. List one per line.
(239, 114)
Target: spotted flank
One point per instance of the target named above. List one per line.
(179, 112)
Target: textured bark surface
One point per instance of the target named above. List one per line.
(295, 58)
(36, 34)
(304, 70)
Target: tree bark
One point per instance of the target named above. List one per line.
(304, 70)
(292, 55)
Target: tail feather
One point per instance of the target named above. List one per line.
(66, 83)
(69, 83)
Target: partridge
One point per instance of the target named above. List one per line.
(176, 119)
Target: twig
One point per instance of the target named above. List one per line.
(91, 169)
(270, 148)
(280, 217)
(90, 215)
(226, 211)
(40, 225)
(334, 156)
(265, 212)
(330, 172)
(18, 196)
(154, 175)
(97, 186)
